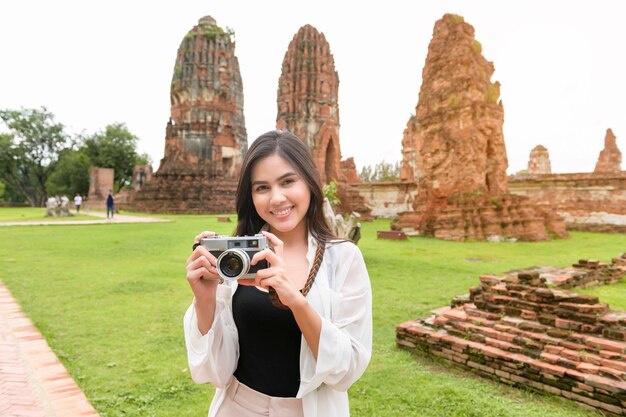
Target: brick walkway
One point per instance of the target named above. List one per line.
(33, 383)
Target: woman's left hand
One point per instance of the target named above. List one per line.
(276, 275)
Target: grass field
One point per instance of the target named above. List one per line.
(21, 214)
(110, 299)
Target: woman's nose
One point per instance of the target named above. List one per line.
(277, 195)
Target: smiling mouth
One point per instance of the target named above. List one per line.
(282, 212)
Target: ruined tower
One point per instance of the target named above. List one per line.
(308, 99)
(610, 159)
(205, 137)
(539, 161)
(453, 148)
(308, 106)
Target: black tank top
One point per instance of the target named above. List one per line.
(269, 344)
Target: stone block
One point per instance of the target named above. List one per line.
(391, 234)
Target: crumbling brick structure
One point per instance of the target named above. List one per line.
(205, 138)
(591, 201)
(100, 183)
(453, 147)
(610, 158)
(524, 330)
(308, 106)
(539, 161)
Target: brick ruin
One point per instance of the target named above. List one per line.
(610, 159)
(587, 201)
(453, 147)
(539, 161)
(100, 182)
(205, 138)
(583, 201)
(308, 106)
(525, 329)
(591, 201)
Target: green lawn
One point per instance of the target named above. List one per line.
(37, 214)
(110, 299)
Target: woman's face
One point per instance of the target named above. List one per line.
(280, 195)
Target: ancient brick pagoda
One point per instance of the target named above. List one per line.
(525, 329)
(610, 159)
(308, 106)
(453, 147)
(539, 161)
(205, 138)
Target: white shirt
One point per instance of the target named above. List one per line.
(341, 295)
(78, 200)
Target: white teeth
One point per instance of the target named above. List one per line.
(282, 212)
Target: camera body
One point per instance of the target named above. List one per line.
(234, 254)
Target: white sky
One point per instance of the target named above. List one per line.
(562, 66)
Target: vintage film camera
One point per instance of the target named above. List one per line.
(235, 253)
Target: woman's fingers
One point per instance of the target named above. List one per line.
(271, 257)
(197, 274)
(203, 235)
(201, 259)
(201, 251)
(275, 243)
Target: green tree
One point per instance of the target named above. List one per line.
(29, 152)
(71, 174)
(114, 147)
(366, 173)
(11, 195)
(330, 192)
(143, 159)
(382, 171)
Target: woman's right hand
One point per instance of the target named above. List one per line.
(201, 271)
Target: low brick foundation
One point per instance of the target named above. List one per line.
(521, 330)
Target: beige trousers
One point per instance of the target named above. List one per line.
(243, 401)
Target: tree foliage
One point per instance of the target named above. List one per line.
(71, 174)
(29, 152)
(382, 171)
(38, 159)
(330, 192)
(114, 147)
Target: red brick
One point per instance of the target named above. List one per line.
(548, 368)
(587, 368)
(599, 343)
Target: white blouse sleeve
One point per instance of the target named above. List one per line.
(345, 346)
(213, 357)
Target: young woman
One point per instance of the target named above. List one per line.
(291, 341)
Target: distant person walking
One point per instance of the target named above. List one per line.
(78, 200)
(110, 205)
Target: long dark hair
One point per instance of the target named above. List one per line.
(289, 147)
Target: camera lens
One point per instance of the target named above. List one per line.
(232, 263)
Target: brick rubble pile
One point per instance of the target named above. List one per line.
(524, 329)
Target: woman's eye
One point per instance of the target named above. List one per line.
(289, 181)
(261, 188)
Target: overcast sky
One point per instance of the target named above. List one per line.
(562, 66)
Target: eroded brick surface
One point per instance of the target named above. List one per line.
(453, 148)
(524, 328)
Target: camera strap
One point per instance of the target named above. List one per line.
(317, 262)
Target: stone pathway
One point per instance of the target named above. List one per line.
(119, 218)
(33, 383)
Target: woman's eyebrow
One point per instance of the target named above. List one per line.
(288, 174)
